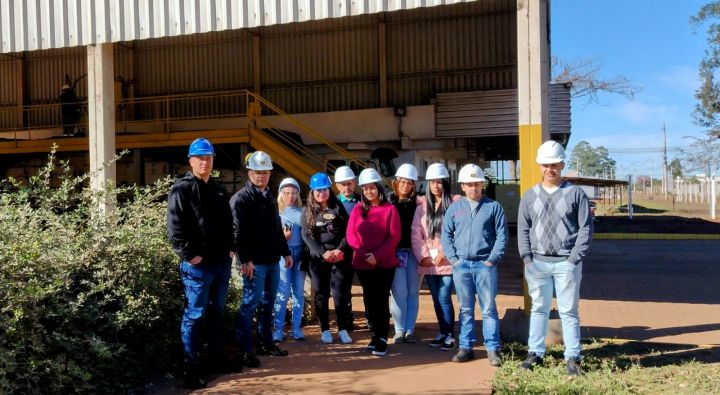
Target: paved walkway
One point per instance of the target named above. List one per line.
(661, 291)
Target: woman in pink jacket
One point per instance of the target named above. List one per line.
(425, 238)
(374, 233)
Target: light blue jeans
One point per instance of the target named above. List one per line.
(441, 289)
(405, 300)
(566, 277)
(471, 278)
(258, 296)
(292, 282)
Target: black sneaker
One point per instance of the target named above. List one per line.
(494, 358)
(448, 344)
(373, 343)
(463, 355)
(250, 360)
(573, 367)
(272, 350)
(531, 361)
(380, 348)
(439, 340)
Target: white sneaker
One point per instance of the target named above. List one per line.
(326, 337)
(344, 337)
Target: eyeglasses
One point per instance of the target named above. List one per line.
(406, 182)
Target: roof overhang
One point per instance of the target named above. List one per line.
(33, 25)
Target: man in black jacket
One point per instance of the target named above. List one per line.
(259, 245)
(200, 228)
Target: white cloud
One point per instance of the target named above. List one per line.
(680, 79)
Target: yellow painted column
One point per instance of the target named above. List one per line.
(533, 79)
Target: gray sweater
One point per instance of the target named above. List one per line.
(555, 226)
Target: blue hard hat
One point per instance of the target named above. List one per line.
(320, 181)
(201, 147)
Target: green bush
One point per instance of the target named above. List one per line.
(89, 303)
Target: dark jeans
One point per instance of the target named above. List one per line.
(376, 285)
(338, 278)
(206, 287)
(258, 296)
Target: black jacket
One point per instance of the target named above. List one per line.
(257, 230)
(198, 219)
(328, 233)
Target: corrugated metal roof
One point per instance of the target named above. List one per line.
(32, 25)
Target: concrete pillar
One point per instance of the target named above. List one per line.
(533, 77)
(101, 109)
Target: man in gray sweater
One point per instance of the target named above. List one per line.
(554, 232)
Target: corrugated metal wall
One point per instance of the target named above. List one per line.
(495, 113)
(8, 91)
(317, 66)
(466, 47)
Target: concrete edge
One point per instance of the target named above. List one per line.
(654, 236)
(624, 341)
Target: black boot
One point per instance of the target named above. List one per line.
(193, 377)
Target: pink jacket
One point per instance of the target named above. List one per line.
(379, 233)
(421, 245)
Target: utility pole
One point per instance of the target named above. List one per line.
(665, 164)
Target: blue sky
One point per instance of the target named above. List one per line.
(652, 43)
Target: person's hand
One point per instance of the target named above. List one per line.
(232, 254)
(439, 258)
(248, 269)
(288, 261)
(445, 262)
(426, 262)
(287, 231)
(370, 259)
(196, 260)
(327, 256)
(339, 255)
(488, 263)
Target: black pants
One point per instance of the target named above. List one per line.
(335, 277)
(376, 284)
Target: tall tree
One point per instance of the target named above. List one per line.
(707, 109)
(675, 168)
(703, 155)
(592, 162)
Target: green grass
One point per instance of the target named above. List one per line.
(615, 368)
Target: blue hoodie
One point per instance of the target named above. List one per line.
(479, 236)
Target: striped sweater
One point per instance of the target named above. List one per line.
(555, 226)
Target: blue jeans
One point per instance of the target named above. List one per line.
(441, 289)
(258, 295)
(405, 291)
(292, 282)
(474, 277)
(541, 277)
(206, 288)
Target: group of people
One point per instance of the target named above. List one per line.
(390, 240)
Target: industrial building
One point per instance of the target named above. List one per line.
(314, 83)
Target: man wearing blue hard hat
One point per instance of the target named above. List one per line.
(199, 225)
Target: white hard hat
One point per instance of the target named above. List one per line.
(407, 171)
(289, 182)
(550, 152)
(344, 173)
(368, 176)
(471, 173)
(436, 171)
(259, 160)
